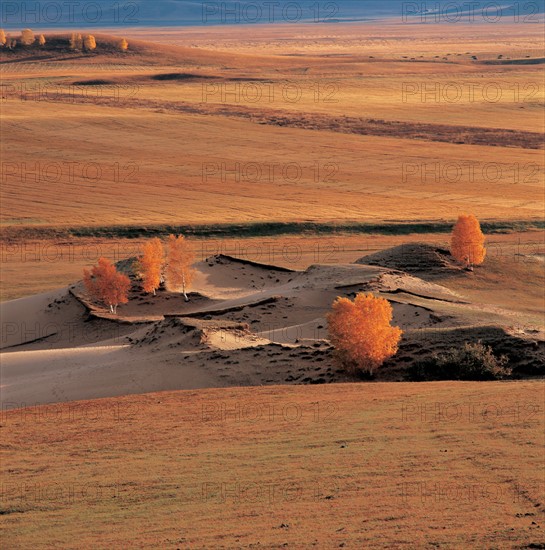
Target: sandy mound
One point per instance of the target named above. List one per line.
(245, 324)
(417, 258)
(53, 320)
(192, 334)
(223, 277)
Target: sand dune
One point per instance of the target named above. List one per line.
(246, 324)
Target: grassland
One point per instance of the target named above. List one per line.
(170, 137)
(306, 133)
(450, 465)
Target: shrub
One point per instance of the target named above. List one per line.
(470, 362)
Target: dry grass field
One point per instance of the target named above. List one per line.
(436, 465)
(294, 136)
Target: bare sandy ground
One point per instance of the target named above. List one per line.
(246, 324)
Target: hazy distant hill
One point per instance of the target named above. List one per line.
(109, 13)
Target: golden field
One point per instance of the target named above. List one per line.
(449, 465)
(168, 133)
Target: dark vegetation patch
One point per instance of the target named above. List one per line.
(433, 132)
(418, 352)
(4, 511)
(96, 82)
(416, 258)
(257, 229)
(470, 362)
(180, 76)
(534, 61)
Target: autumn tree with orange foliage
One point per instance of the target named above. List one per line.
(105, 284)
(27, 37)
(89, 43)
(467, 241)
(362, 333)
(76, 41)
(179, 272)
(151, 265)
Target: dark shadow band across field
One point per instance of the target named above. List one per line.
(442, 133)
(259, 229)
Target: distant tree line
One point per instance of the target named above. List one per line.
(77, 41)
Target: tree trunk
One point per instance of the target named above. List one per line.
(183, 288)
